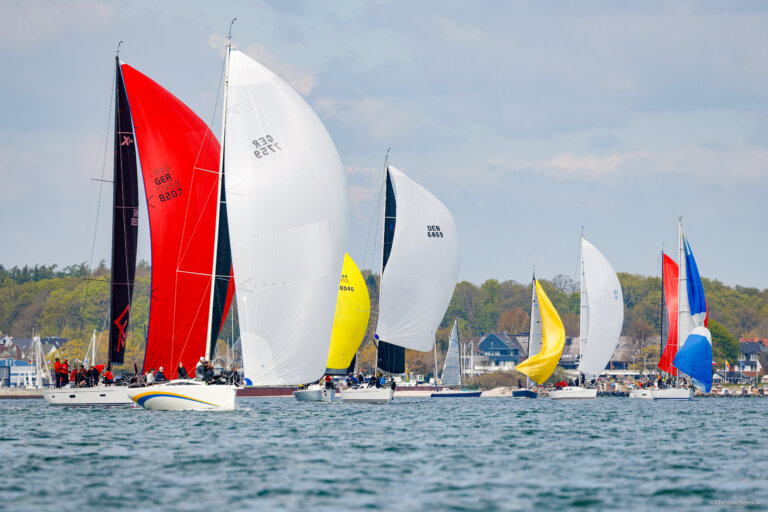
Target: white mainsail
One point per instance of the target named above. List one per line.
(452, 367)
(288, 215)
(604, 311)
(534, 329)
(418, 281)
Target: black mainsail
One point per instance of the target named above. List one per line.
(125, 222)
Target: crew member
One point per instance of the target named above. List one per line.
(108, 378)
(57, 372)
(182, 372)
(160, 376)
(65, 372)
(328, 382)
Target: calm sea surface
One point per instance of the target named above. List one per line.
(415, 454)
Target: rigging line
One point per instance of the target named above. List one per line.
(98, 204)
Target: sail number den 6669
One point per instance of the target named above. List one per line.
(434, 232)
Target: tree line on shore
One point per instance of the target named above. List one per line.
(73, 301)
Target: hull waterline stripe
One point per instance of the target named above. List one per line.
(140, 399)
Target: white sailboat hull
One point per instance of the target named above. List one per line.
(573, 393)
(646, 394)
(672, 394)
(315, 394)
(367, 395)
(185, 395)
(87, 397)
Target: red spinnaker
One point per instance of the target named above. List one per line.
(180, 166)
(670, 295)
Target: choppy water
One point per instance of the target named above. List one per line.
(415, 454)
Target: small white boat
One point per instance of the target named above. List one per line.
(672, 394)
(646, 394)
(367, 395)
(315, 393)
(574, 393)
(185, 395)
(86, 397)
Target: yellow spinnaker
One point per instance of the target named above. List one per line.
(353, 307)
(541, 366)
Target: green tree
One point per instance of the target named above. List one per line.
(724, 345)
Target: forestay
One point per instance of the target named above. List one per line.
(421, 272)
(605, 310)
(288, 222)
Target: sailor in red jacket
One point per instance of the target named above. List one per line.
(65, 372)
(57, 372)
(108, 379)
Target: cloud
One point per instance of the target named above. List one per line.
(301, 80)
(720, 166)
(30, 23)
(364, 184)
(373, 115)
(463, 33)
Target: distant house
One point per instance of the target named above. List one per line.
(748, 363)
(9, 349)
(502, 350)
(762, 341)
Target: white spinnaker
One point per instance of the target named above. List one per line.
(452, 367)
(422, 268)
(606, 311)
(288, 223)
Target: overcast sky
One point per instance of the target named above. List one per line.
(528, 120)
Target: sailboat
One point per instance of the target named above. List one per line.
(546, 340)
(350, 321)
(191, 265)
(696, 351)
(601, 319)
(125, 216)
(288, 213)
(419, 269)
(451, 379)
(667, 324)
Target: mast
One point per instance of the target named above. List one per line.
(681, 287)
(125, 221)
(210, 341)
(584, 303)
(384, 255)
(532, 322)
(458, 348)
(661, 310)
